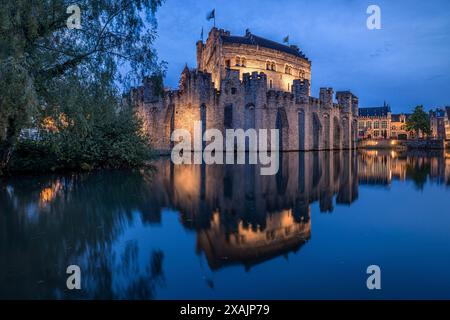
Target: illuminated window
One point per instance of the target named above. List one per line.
(369, 124)
(384, 124)
(268, 65)
(243, 62)
(361, 124)
(238, 61)
(274, 66)
(376, 124)
(376, 133)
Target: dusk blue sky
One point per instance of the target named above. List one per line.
(406, 63)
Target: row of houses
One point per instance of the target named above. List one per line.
(381, 123)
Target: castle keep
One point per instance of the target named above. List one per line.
(244, 82)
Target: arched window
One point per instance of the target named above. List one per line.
(243, 62)
(289, 87)
(301, 74)
(270, 83)
(268, 65)
(287, 69)
(274, 66)
(238, 61)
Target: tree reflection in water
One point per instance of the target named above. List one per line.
(50, 222)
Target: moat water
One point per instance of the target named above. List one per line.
(225, 232)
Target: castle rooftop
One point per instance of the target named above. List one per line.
(251, 39)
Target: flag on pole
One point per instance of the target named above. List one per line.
(286, 40)
(212, 15)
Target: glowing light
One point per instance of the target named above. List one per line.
(50, 124)
(47, 195)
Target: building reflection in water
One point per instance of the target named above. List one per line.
(381, 167)
(238, 216)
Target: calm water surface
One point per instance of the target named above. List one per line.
(225, 232)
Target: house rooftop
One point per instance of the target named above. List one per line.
(374, 111)
(396, 117)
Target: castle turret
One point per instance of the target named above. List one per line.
(255, 82)
(326, 98)
(301, 90)
(344, 99)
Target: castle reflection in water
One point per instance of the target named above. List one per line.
(239, 216)
(243, 217)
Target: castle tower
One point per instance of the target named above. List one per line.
(249, 53)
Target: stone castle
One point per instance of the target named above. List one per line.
(244, 82)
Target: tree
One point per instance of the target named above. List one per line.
(17, 102)
(40, 55)
(419, 122)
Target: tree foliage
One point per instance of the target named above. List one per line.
(86, 133)
(419, 121)
(17, 102)
(49, 70)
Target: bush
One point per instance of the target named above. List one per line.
(115, 141)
